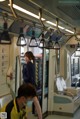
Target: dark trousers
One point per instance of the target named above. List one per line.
(33, 108)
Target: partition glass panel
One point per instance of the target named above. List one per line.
(75, 70)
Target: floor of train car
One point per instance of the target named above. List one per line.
(76, 116)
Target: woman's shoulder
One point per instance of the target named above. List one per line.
(30, 66)
(30, 63)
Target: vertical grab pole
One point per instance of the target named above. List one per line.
(17, 74)
(19, 70)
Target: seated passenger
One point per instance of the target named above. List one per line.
(16, 109)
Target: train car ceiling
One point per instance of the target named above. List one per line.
(67, 10)
(51, 10)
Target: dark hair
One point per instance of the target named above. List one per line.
(26, 90)
(30, 55)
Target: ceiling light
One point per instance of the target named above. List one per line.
(26, 11)
(51, 23)
(2, 0)
(61, 27)
(21, 39)
(69, 31)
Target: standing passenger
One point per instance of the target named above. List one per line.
(29, 68)
(29, 72)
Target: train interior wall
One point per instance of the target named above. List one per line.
(55, 62)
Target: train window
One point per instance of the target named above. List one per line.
(77, 53)
(75, 67)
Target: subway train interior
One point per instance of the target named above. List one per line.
(51, 30)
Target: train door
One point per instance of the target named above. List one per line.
(52, 76)
(45, 82)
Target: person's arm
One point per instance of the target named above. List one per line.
(37, 106)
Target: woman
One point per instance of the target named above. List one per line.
(29, 72)
(29, 68)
